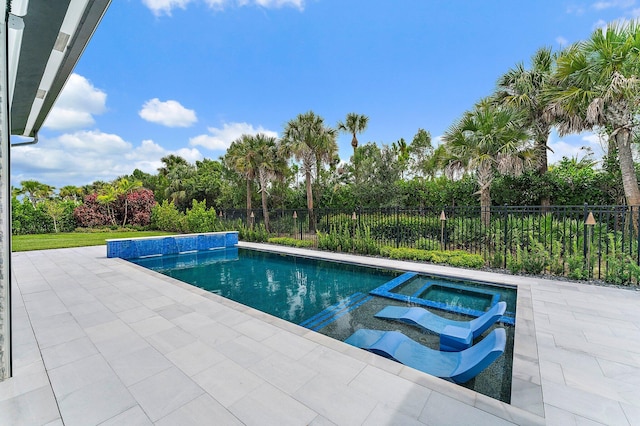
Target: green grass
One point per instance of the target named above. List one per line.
(73, 239)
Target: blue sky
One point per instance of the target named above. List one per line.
(187, 77)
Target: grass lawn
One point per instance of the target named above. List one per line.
(73, 239)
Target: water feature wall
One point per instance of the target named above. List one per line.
(130, 248)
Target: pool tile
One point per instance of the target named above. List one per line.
(585, 404)
(255, 330)
(132, 417)
(95, 403)
(192, 321)
(267, 405)
(121, 345)
(171, 339)
(227, 382)
(165, 392)
(64, 353)
(75, 375)
(332, 365)
(138, 365)
(391, 390)
(151, 325)
(35, 407)
(283, 372)
(383, 415)
(443, 411)
(203, 410)
(335, 401)
(195, 357)
(289, 344)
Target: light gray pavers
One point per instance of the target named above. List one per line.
(102, 341)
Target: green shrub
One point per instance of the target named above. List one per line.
(256, 234)
(200, 219)
(166, 217)
(285, 241)
(454, 258)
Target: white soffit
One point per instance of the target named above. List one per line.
(43, 52)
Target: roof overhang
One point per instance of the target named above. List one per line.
(46, 40)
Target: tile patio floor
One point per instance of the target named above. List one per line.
(102, 341)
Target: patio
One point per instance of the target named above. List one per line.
(103, 341)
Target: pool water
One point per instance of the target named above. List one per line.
(333, 298)
(289, 287)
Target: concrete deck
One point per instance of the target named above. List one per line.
(103, 341)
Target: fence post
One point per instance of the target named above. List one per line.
(397, 229)
(506, 230)
(584, 228)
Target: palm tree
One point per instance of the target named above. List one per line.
(307, 138)
(243, 156)
(108, 197)
(401, 151)
(354, 124)
(70, 192)
(598, 86)
(487, 139)
(523, 89)
(36, 191)
(271, 164)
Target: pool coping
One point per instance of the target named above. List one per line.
(526, 385)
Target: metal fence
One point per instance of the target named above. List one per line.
(581, 242)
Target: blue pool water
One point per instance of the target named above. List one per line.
(289, 287)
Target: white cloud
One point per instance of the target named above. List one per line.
(169, 113)
(622, 4)
(78, 102)
(220, 139)
(165, 7)
(576, 146)
(562, 41)
(82, 157)
(160, 7)
(600, 23)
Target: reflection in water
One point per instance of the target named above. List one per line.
(289, 287)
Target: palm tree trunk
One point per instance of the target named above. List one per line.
(248, 199)
(263, 191)
(627, 169)
(485, 176)
(628, 172)
(485, 206)
(543, 166)
(312, 219)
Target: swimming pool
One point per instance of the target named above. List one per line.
(329, 297)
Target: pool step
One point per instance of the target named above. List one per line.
(333, 312)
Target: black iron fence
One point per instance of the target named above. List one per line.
(580, 242)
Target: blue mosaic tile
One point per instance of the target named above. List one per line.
(129, 249)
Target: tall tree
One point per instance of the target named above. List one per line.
(598, 86)
(354, 124)
(271, 163)
(524, 89)
(312, 143)
(487, 139)
(35, 191)
(243, 156)
(401, 151)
